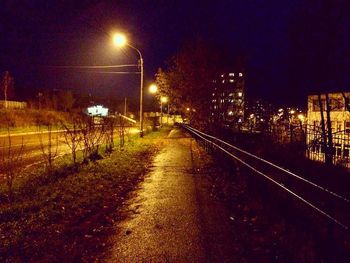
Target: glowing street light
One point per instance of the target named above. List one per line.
(120, 40)
(153, 88)
(301, 117)
(162, 100)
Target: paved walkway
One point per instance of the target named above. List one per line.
(172, 216)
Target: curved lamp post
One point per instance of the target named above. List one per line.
(120, 41)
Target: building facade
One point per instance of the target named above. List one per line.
(227, 102)
(340, 127)
(9, 104)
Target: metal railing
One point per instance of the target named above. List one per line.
(280, 177)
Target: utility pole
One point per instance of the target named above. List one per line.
(161, 113)
(125, 106)
(167, 119)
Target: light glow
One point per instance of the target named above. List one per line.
(153, 88)
(97, 110)
(119, 40)
(301, 117)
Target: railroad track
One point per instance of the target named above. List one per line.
(328, 205)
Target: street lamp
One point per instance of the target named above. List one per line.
(120, 40)
(153, 88)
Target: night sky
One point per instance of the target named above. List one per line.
(291, 48)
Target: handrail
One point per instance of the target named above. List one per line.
(316, 208)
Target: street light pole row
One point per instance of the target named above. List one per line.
(154, 89)
(120, 40)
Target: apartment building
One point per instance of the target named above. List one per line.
(227, 102)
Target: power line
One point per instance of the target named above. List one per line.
(114, 72)
(94, 67)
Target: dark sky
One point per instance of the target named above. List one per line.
(292, 48)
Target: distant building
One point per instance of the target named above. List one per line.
(227, 102)
(340, 125)
(9, 104)
(258, 115)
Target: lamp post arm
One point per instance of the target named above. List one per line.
(136, 49)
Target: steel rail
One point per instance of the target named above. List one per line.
(275, 166)
(316, 208)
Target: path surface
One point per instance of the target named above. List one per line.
(172, 217)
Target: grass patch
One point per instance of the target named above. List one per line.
(65, 216)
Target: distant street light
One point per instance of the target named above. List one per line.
(162, 100)
(301, 117)
(120, 40)
(153, 88)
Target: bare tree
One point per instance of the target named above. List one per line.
(49, 150)
(92, 136)
(49, 146)
(121, 131)
(7, 86)
(66, 99)
(73, 136)
(328, 155)
(10, 159)
(187, 77)
(109, 133)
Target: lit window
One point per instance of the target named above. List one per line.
(239, 94)
(231, 80)
(231, 74)
(223, 81)
(230, 113)
(213, 94)
(222, 75)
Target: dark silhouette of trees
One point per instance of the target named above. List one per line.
(11, 157)
(7, 86)
(187, 80)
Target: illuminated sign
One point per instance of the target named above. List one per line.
(97, 110)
